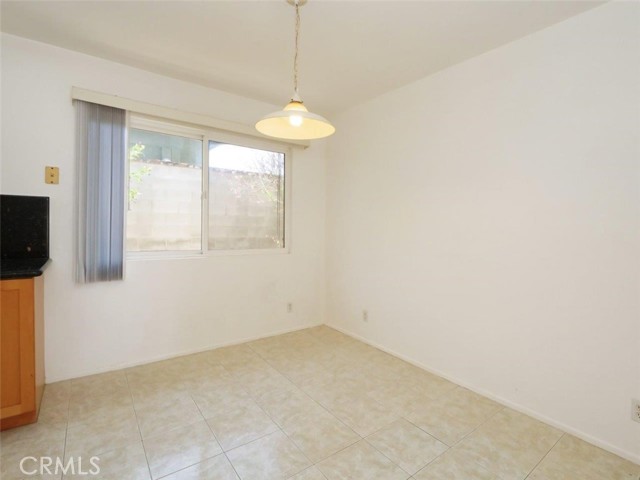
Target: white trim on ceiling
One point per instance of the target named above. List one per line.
(176, 115)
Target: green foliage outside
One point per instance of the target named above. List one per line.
(136, 152)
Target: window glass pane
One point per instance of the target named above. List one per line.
(246, 198)
(165, 186)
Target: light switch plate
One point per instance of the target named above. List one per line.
(52, 175)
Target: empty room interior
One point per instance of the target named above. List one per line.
(320, 240)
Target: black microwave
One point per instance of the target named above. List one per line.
(24, 227)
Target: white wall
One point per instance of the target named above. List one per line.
(487, 217)
(164, 307)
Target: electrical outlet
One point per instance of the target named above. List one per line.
(635, 410)
(365, 316)
(289, 307)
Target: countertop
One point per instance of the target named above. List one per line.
(16, 268)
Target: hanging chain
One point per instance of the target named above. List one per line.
(295, 56)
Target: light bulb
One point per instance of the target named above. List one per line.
(295, 120)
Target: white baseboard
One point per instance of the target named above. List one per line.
(633, 457)
(111, 368)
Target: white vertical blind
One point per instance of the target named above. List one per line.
(100, 158)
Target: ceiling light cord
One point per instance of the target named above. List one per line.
(295, 121)
(295, 55)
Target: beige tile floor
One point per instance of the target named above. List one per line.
(309, 405)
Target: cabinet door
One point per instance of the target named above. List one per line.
(17, 356)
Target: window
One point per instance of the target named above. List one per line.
(246, 197)
(195, 190)
(165, 191)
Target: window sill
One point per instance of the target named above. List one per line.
(188, 255)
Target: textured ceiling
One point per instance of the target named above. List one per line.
(350, 50)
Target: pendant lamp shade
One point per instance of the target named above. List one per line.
(294, 121)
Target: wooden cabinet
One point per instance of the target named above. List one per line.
(21, 351)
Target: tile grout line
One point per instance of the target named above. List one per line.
(66, 428)
(203, 419)
(424, 431)
(545, 455)
(432, 461)
(306, 469)
(385, 456)
(213, 433)
(435, 438)
(501, 409)
(351, 335)
(277, 424)
(175, 428)
(135, 412)
(306, 394)
(337, 354)
(362, 438)
(313, 464)
(450, 447)
(316, 402)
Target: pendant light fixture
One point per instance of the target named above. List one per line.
(294, 121)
